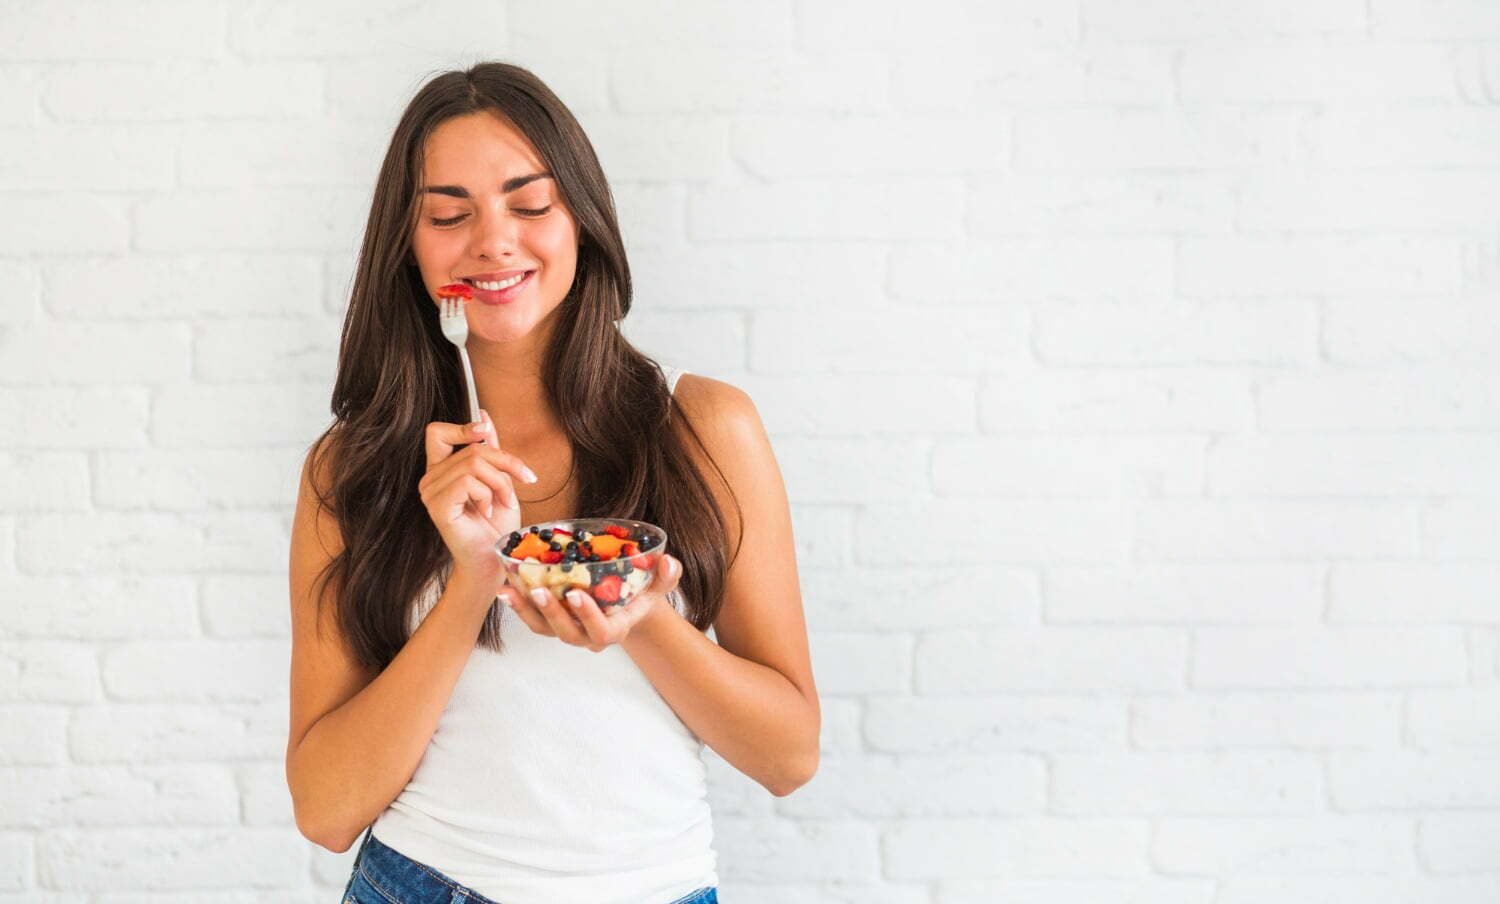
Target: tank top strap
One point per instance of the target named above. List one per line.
(672, 373)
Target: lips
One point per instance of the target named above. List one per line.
(501, 296)
(493, 276)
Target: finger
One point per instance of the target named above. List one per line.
(527, 612)
(498, 481)
(505, 461)
(623, 618)
(598, 628)
(442, 437)
(495, 467)
(664, 578)
(561, 621)
(454, 496)
(486, 429)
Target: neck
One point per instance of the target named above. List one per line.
(508, 382)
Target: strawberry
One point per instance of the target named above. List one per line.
(617, 530)
(607, 590)
(550, 557)
(461, 290)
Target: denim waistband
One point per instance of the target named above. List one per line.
(404, 879)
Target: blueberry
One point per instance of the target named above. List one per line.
(515, 537)
(546, 533)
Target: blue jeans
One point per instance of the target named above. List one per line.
(382, 875)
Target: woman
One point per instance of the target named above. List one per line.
(489, 745)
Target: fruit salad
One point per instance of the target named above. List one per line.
(610, 559)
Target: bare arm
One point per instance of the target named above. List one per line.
(750, 714)
(751, 697)
(356, 736)
(354, 760)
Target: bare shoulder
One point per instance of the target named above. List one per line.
(725, 419)
(714, 403)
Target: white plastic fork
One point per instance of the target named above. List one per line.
(455, 322)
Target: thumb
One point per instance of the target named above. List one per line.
(669, 570)
(442, 437)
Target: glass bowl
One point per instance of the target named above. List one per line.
(614, 573)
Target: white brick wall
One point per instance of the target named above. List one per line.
(1132, 367)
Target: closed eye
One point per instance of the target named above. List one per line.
(528, 213)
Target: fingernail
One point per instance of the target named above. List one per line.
(489, 511)
(528, 474)
(540, 596)
(575, 598)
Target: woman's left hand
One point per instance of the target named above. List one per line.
(580, 621)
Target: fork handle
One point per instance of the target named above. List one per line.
(463, 355)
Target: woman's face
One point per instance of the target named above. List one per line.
(470, 226)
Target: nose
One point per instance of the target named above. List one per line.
(494, 236)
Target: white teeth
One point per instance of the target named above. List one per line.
(495, 286)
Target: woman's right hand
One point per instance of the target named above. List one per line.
(470, 495)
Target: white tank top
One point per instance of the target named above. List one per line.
(558, 776)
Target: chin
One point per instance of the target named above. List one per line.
(500, 334)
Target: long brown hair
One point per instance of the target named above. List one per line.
(396, 373)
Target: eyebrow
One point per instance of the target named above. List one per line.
(508, 186)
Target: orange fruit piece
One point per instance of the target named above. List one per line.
(530, 545)
(607, 545)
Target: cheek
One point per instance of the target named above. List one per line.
(421, 248)
(435, 253)
(558, 240)
(432, 243)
